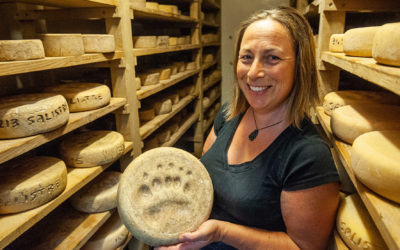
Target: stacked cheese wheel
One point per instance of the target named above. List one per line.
(356, 227)
(91, 148)
(20, 50)
(30, 182)
(31, 114)
(83, 96)
(99, 195)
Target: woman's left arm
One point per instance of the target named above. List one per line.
(309, 216)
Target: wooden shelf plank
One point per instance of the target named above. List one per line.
(366, 68)
(209, 123)
(63, 228)
(151, 126)
(212, 101)
(150, 14)
(210, 24)
(211, 44)
(181, 131)
(152, 51)
(19, 67)
(208, 65)
(385, 214)
(14, 147)
(146, 91)
(212, 83)
(70, 3)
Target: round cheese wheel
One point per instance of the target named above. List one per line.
(386, 49)
(91, 148)
(20, 50)
(165, 73)
(164, 136)
(149, 78)
(110, 235)
(98, 43)
(162, 41)
(83, 96)
(356, 227)
(152, 5)
(375, 159)
(173, 41)
(146, 113)
(358, 41)
(99, 195)
(340, 98)
(171, 9)
(163, 107)
(208, 58)
(191, 66)
(30, 182)
(138, 3)
(145, 41)
(31, 114)
(162, 193)
(350, 121)
(62, 44)
(138, 83)
(336, 43)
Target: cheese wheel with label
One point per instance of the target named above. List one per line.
(83, 96)
(30, 182)
(99, 195)
(31, 114)
(91, 148)
(110, 235)
(337, 99)
(386, 48)
(336, 43)
(98, 43)
(350, 121)
(355, 226)
(358, 41)
(21, 50)
(375, 160)
(63, 44)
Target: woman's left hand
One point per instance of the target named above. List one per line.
(207, 233)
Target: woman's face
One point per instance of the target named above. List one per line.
(266, 65)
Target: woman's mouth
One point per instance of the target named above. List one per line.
(258, 88)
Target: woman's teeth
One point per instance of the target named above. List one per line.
(257, 88)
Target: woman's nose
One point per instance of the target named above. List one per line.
(256, 70)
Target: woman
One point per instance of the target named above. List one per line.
(275, 183)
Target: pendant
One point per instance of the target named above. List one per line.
(253, 135)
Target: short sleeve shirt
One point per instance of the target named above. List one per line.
(249, 193)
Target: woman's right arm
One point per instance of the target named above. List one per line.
(209, 141)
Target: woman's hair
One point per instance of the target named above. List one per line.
(304, 93)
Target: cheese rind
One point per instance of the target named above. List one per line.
(375, 158)
(98, 43)
(31, 114)
(30, 182)
(63, 44)
(83, 96)
(336, 43)
(163, 106)
(386, 48)
(99, 195)
(350, 121)
(91, 148)
(145, 41)
(149, 78)
(358, 41)
(110, 235)
(356, 227)
(20, 50)
(337, 99)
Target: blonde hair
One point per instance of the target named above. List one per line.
(304, 93)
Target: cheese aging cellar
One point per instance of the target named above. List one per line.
(199, 124)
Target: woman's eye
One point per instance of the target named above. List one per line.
(271, 59)
(245, 58)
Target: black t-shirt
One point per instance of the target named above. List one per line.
(249, 193)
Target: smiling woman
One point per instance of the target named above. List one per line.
(275, 183)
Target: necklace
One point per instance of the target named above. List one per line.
(253, 135)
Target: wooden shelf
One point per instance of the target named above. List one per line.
(152, 51)
(14, 147)
(70, 3)
(212, 83)
(151, 126)
(385, 76)
(212, 101)
(181, 131)
(208, 65)
(209, 123)
(210, 24)
(149, 14)
(19, 67)
(13, 225)
(64, 228)
(146, 91)
(211, 44)
(385, 213)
